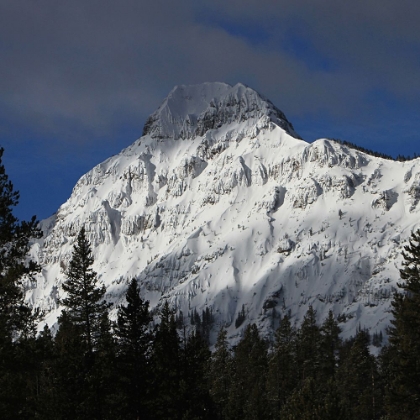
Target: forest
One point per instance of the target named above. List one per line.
(131, 368)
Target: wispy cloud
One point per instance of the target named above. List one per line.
(80, 76)
(93, 64)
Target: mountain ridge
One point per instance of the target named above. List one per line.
(238, 216)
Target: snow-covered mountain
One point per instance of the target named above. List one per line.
(221, 205)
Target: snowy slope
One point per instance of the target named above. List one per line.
(220, 204)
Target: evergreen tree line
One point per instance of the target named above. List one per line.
(96, 369)
(399, 158)
(133, 372)
(93, 368)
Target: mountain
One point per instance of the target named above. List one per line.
(221, 205)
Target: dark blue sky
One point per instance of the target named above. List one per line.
(78, 79)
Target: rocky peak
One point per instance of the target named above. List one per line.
(190, 111)
(242, 217)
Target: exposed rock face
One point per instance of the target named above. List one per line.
(220, 205)
(191, 111)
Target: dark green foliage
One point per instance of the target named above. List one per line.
(166, 368)
(329, 347)
(377, 339)
(202, 324)
(403, 391)
(15, 316)
(241, 317)
(84, 296)
(70, 370)
(307, 402)
(306, 367)
(132, 325)
(282, 368)
(303, 403)
(17, 328)
(128, 381)
(195, 317)
(220, 372)
(308, 345)
(102, 399)
(18, 391)
(194, 387)
(179, 319)
(134, 346)
(247, 397)
(83, 385)
(206, 324)
(86, 363)
(389, 371)
(358, 381)
(44, 381)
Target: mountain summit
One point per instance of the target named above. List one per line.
(220, 207)
(191, 111)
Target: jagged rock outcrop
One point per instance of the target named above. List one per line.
(192, 111)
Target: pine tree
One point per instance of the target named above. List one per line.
(84, 296)
(303, 404)
(194, 384)
(69, 370)
(330, 344)
(45, 356)
(85, 361)
(166, 366)
(15, 316)
(17, 327)
(220, 374)
(308, 346)
(282, 368)
(134, 346)
(403, 393)
(248, 398)
(102, 380)
(313, 394)
(358, 380)
(84, 388)
(328, 394)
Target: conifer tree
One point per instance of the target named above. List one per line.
(194, 385)
(358, 381)
(328, 395)
(84, 297)
(248, 398)
(389, 371)
(220, 374)
(86, 353)
(102, 386)
(308, 346)
(403, 393)
(70, 370)
(15, 316)
(16, 321)
(303, 403)
(132, 325)
(166, 366)
(85, 380)
(330, 344)
(45, 380)
(282, 368)
(133, 347)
